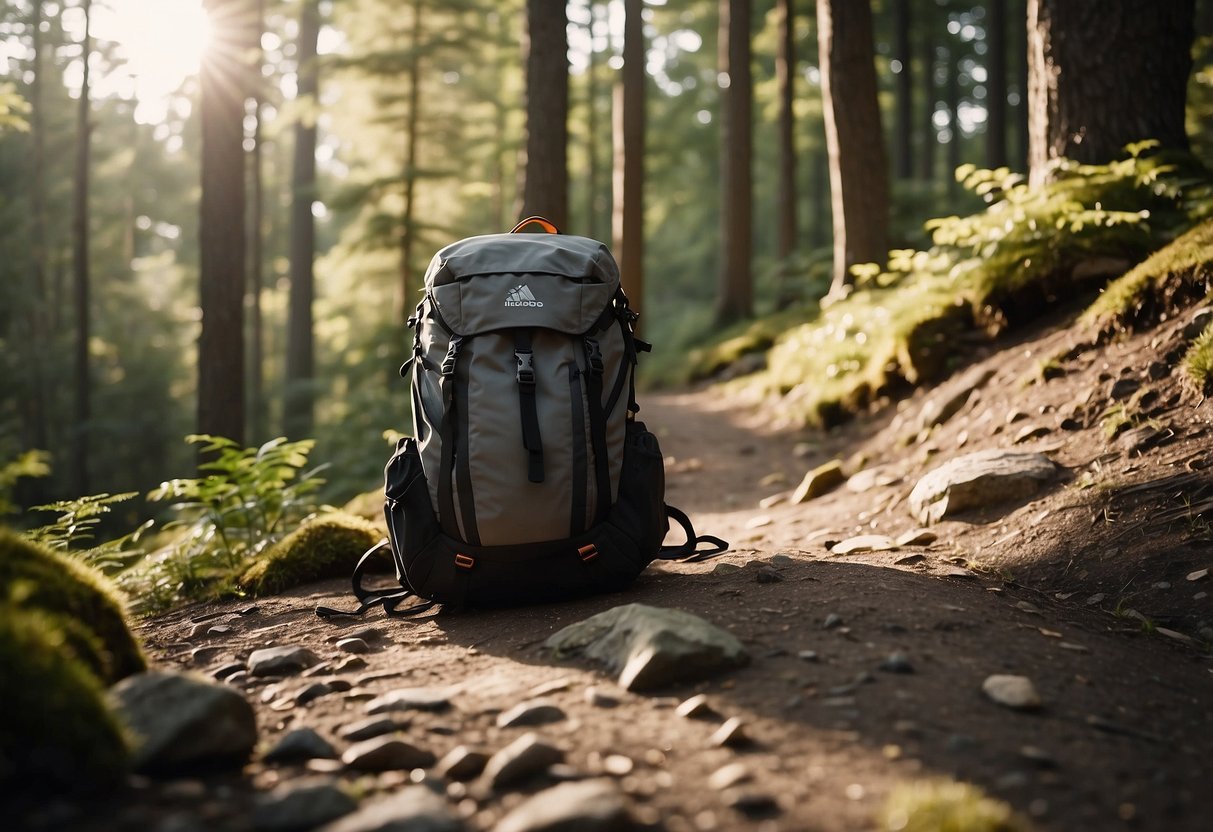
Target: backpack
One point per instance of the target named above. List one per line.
(528, 479)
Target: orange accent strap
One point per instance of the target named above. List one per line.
(464, 561)
(546, 225)
(588, 553)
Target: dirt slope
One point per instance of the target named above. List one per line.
(1069, 589)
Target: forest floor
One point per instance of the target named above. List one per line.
(1093, 589)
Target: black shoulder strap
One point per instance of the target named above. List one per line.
(390, 601)
(690, 552)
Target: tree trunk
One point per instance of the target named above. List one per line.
(996, 85)
(83, 388)
(591, 131)
(734, 297)
(785, 76)
(628, 185)
(1104, 75)
(819, 197)
(412, 127)
(1020, 28)
(930, 139)
(903, 140)
(858, 167)
(259, 421)
(299, 406)
(545, 189)
(35, 407)
(952, 101)
(223, 79)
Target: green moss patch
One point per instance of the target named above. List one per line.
(1173, 277)
(1198, 363)
(327, 546)
(65, 587)
(947, 806)
(56, 731)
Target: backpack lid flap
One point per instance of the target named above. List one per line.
(503, 301)
(498, 281)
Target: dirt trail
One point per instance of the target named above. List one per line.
(866, 673)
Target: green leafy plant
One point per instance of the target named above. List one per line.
(248, 499)
(29, 464)
(75, 529)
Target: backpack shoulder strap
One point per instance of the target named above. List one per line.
(690, 552)
(390, 601)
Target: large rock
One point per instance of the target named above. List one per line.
(181, 721)
(294, 807)
(651, 646)
(977, 480)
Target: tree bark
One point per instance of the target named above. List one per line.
(299, 405)
(628, 181)
(902, 141)
(996, 84)
(412, 129)
(930, 137)
(1022, 141)
(952, 101)
(858, 167)
(546, 184)
(82, 414)
(734, 297)
(785, 77)
(35, 408)
(1104, 75)
(221, 226)
(591, 131)
(258, 412)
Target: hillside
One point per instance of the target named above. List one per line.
(866, 673)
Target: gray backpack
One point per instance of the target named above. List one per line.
(529, 478)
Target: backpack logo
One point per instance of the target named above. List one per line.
(521, 295)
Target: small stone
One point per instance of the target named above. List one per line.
(386, 754)
(280, 661)
(1157, 370)
(753, 804)
(350, 664)
(411, 809)
(585, 806)
(725, 568)
(548, 688)
(227, 670)
(1198, 575)
(312, 692)
(299, 745)
(411, 699)
(832, 620)
(759, 521)
(366, 729)
(1030, 432)
(916, 537)
(1016, 692)
(731, 734)
(524, 757)
(863, 543)
(696, 707)
(298, 806)
(767, 575)
(461, 764)
(1037, 756)
(600, 699)
(897, 663)
(1069, 423)
(539, 712)
(807, 655)
(353, 645)
(1096, 599)
(1123, 388)
(729, 775)
(618, 765)
(820, 480)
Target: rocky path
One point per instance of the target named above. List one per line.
(867, 675)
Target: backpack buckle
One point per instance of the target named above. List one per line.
(452, 353)
(464, 561)
(588, 553)
(593, 356)
(526, 367)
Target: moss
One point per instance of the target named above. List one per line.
(63, 586)
(327, 546)
(56, 732)
(368, 506)
(1173, 277)
(947, 806)
(1198, 363)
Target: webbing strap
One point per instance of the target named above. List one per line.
(527, 404)
(446, 434)
(390, 601)
(598, 438)
(690, 552)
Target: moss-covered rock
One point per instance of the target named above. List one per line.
(1198, 363)
(327, 546)
(84, 598)
(56, 731)
(948, 806)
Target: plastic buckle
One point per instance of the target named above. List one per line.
(588, 553)
(526, 367)
(594, 356)
(464, 561)
(452, 353)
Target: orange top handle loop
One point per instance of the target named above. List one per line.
(546, 225)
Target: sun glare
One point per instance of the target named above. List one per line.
(162, 43)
